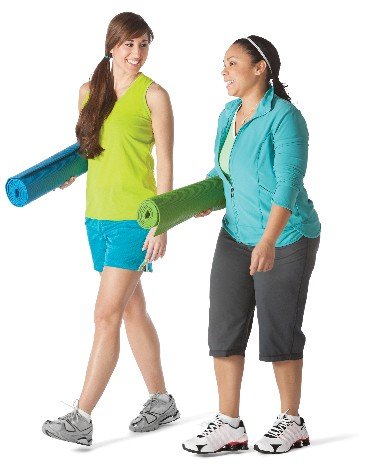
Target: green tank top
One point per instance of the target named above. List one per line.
(122, 176)
(227, 147)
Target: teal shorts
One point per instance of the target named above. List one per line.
(117, 243)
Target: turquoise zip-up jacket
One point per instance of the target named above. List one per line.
(267, 166)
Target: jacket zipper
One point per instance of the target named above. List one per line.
(232, 149)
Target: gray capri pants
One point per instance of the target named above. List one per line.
(279, 294)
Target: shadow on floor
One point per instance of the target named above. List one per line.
(130, 435)
(341, 437)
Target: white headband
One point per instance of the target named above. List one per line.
(262, 53)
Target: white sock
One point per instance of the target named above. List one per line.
(230, 420)
(164, 396)
(84, 414)
(293, 417)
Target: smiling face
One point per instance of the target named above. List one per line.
(239, 73)
(131, 55)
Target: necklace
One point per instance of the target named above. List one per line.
(249, 112)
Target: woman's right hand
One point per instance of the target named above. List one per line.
(203, 213)
(68, 182)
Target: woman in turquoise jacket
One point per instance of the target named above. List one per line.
(266, 249)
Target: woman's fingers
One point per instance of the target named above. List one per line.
(150, 249)
(203, 213)
(156, 253)
(263, 258)
(269, 266)
(68, 182)
(153, 254)
(146, 243)
(260, 264)
(254, 264)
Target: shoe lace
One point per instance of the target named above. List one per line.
(211, 426)
(71, 415)
(147, 406)
(280, 425)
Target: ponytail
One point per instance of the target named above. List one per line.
(102, 98)
(279, 89)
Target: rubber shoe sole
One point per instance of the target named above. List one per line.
(83, 441)
(297, 445)
(230, 447)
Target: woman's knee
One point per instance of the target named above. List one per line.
(136, 307)
(107, 317)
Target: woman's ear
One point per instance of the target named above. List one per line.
(260, 67)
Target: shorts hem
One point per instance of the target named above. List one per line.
(123, 267)
(226, 353)
(281, 357)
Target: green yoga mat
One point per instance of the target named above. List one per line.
(167, 210)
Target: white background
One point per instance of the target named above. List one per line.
(48, 50)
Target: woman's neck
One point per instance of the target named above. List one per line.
(253, 97)
(123, 80)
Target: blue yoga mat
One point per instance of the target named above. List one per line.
(45, 176)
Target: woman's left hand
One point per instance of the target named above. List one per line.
(262, 258)
(155, 246)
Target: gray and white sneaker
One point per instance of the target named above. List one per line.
(72, 427)
(160, 409)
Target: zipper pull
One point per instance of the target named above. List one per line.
(232, 192)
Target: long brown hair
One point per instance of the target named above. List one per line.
(102, 96)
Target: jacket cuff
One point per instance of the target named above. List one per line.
(213, 173)
(285, 196)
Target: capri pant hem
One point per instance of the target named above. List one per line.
(226, 353)
(281, 357)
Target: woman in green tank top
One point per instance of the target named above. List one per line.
(123, 113)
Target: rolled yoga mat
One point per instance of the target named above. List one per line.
(45, 176)
(167, 210)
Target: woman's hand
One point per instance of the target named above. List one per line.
(68, 182)
(263, 256)
(155, 246)
(203, 213)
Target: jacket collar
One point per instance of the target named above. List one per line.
(264, 106)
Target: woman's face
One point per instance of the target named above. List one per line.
(239, 74)
(131, 55)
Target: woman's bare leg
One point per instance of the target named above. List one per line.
(229, 374)
(144, 341)
(288, 376)
(116, 288)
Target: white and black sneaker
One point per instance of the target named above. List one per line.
(217, 437)
(288, 432)
(72, 427)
